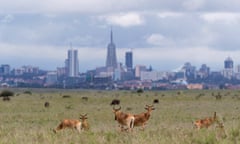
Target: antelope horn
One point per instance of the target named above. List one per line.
(149, 105)
(116, 109)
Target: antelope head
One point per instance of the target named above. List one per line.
(149, 108)
(83, 117)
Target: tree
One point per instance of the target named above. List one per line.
(6, 93)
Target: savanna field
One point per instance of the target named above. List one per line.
(25, 120)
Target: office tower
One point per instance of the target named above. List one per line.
(5, 69)
(111, 53)
(139, 69)
(129, 60)
(228, 63)
(228, 68)
(71, 63)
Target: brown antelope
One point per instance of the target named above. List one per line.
(206, 122)
(141, 119)
(124, 119)
(69, 123)
(73, 124)
(85, 124)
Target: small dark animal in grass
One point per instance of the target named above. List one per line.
(155, 101)
(6, 98)
(85, 98)
(141, 119)
(66, 96)
(115, 102)
(73, 124)
(124, 119)
(46, 104)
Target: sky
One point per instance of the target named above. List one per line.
(160, 33)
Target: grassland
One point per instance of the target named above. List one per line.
(25, 120)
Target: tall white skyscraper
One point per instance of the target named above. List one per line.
(72, 64)
(111, 53)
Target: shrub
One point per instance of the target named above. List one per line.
(6, 93)
(27, 92)
(140, 90)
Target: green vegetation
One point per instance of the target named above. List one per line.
(6, 93)
(25, 120)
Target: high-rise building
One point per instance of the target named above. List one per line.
(72, 64)
(139, 69)
(5, 69)
(228, 71)
(228, 63)
(111, 53)
(129, 60)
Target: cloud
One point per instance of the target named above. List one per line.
(193, 4)
(158, 40)
(7, 18)
(221, 17)
(68, 6)
(169, 14)
(124, 19)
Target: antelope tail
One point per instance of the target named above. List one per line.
(215, 116)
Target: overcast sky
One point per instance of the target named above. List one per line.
(163, 34)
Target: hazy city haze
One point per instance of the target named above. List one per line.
(164, 34)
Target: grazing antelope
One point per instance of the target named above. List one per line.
(206, 122)
(124, 119)
(141, 119)
(73, 124)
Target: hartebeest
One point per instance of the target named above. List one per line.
(73, 124)
(85, 124)
(124, 119)
(206, 122)
(141, 119)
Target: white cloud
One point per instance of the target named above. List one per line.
(67, 6)
(159, 40)
(222, 17)
(193, 4)
(170, 14)
(124, 19)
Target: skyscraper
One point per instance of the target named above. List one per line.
(228, 68)
(71, 63)
(129, 60)
(228, 63)
(111, 53)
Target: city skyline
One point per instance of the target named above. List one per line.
(163, 34)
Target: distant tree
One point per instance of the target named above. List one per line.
(6, 93)
(27, 92)
(140, 90)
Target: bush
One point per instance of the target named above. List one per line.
(27, 92)
(140, 90)
(6, 93)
